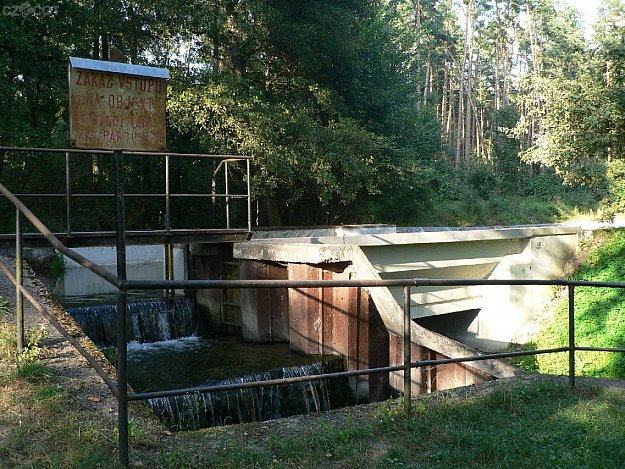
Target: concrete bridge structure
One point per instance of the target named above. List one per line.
(365, 325)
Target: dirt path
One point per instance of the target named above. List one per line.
(73, 371)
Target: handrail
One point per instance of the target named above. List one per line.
(54, 241)
(223, 159)
(137, 153)
(112, 385)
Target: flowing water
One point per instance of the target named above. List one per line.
(169, 349)
(149, 321)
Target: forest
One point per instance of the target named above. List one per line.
(413, 112)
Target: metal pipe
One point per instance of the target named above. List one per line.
(19, 275)
(147, 194)
(130, 153)
(167, 196)
(249, 196)
(57, 150)
(407, 353)
(122, 303)
(58, 326)
(68, 195)
(230, 158)
(258, 384)
(571, 289)
(230, 196)
(227, 196)
(54, 241)
(600, 349)
(169, 267)
(198, 284)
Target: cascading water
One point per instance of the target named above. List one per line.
(168, 349)
(199, 410)
(150, 321)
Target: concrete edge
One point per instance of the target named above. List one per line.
(425, 237)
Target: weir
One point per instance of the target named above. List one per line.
(168, 350)
(362, 326)
(365, 325)
(150, 321)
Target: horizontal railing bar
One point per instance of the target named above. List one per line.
(148, 194)
(230, 158)
(102, 234)
(232, 196)
(490, 356)
(201, 284)
(600, 349)
(64, 332)
(338, 374)
(56, 150)
(54, 241)
(257, 384)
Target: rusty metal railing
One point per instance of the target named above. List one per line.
(120, 388)
(223, 164)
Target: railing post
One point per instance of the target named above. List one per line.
(19, 278)
(122, 304)
(407, 353)
(167, 197)
(68, 195)
(571, 335)
(169, 268)
(227, 195)
(249, 196)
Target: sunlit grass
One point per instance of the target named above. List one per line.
(599, 318)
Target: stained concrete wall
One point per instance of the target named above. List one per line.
(506, 309)
(345, 321)
(510, 253)
(318, 321)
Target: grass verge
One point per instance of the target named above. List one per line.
(599, 318)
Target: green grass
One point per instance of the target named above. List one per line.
(542, 424)
(520, 424)
(599, 319)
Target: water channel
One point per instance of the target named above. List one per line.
(170, 348)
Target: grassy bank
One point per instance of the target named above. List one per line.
(599, 319)
(537, 423)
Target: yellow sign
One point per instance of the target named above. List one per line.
(117, 106)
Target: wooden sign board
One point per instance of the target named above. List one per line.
(116, 106)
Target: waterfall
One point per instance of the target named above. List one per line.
(200, 410)
(148, 321)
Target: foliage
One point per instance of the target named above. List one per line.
(349, 108)
(599, 320)
(614, 202)
(57, 265)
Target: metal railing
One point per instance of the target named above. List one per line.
(120, 390)
(224, 163)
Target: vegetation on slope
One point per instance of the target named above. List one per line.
(599, 317)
